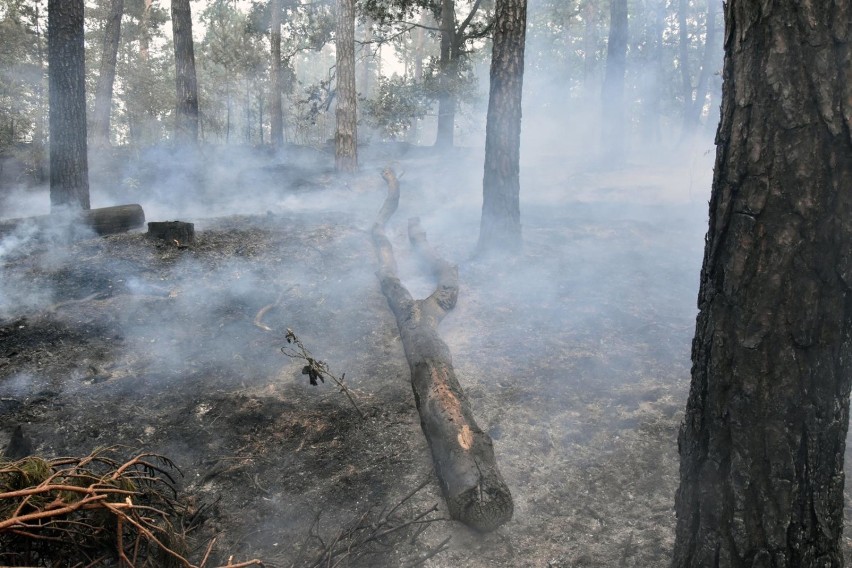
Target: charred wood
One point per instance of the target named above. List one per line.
(103, 221)
(463, 453)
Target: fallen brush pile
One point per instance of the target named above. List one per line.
(95, 510)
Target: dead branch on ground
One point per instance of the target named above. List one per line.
(316, 369)
(373, 533)
(83, 511)
(463, 454)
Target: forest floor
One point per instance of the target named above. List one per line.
(575, 356)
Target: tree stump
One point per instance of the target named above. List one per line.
(178, 233)
(473, 487)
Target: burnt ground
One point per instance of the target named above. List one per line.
(575, 356)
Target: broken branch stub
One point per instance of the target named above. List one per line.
(473, 487)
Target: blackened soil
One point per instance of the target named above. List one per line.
(575, 357)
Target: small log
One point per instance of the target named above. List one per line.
(103, 221)
(463, 453)
(178, 233)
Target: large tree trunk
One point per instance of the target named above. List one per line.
(69, 166)
(500, 227)
(763, 439)
(106, 77)
(276, 116)
(473, 487)
(346, 138)
(186, 85)
(614, 122)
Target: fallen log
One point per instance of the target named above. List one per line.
(473, 487)
(103, 221)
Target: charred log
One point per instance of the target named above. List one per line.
(103, 221)
(178, 233)
(473, 487)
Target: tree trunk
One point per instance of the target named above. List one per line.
(106, 77)
(448, 72)
(687, 126)
(346, 139)
(69, 166)
(707, 64)
(763, 439)
(590, 45)
(652, 92)
(500, 227)
(366, 57)
(463, 454)
(614, 147)
(186, 85)
(276, 111)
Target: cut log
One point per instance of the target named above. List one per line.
(178, 233)
(103, 221)
(473, 487)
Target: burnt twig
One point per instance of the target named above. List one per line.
(315, 369)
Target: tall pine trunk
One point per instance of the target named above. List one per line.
(702, 86)
(275, 102)
(612, 96)
(448, 72)
(763, 439)
(346, 136)
(500, 228)
(186, 85)
(106, 77)
(69, 166)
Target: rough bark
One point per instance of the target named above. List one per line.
(275, 102)
(346, 136)
(69, 166)
(179, 233)
(473, 487)
(763, 439)
(106, 77)
(500, 227)
(103, 221)
(186, 84)
(612, 95)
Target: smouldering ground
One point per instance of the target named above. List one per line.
(575, 356)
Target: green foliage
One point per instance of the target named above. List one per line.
(396, 105)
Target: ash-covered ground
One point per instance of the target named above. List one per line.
(575, 354)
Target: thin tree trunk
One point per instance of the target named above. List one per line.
(69, 166)
(763, 439)
(500, 228)
(447, 75)
(687, 126)
(346, 139)
(366, 56)
(707, 60)
(186, 85)
(590, 46)
(106, 77)
(275, 101)
(614, 122)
